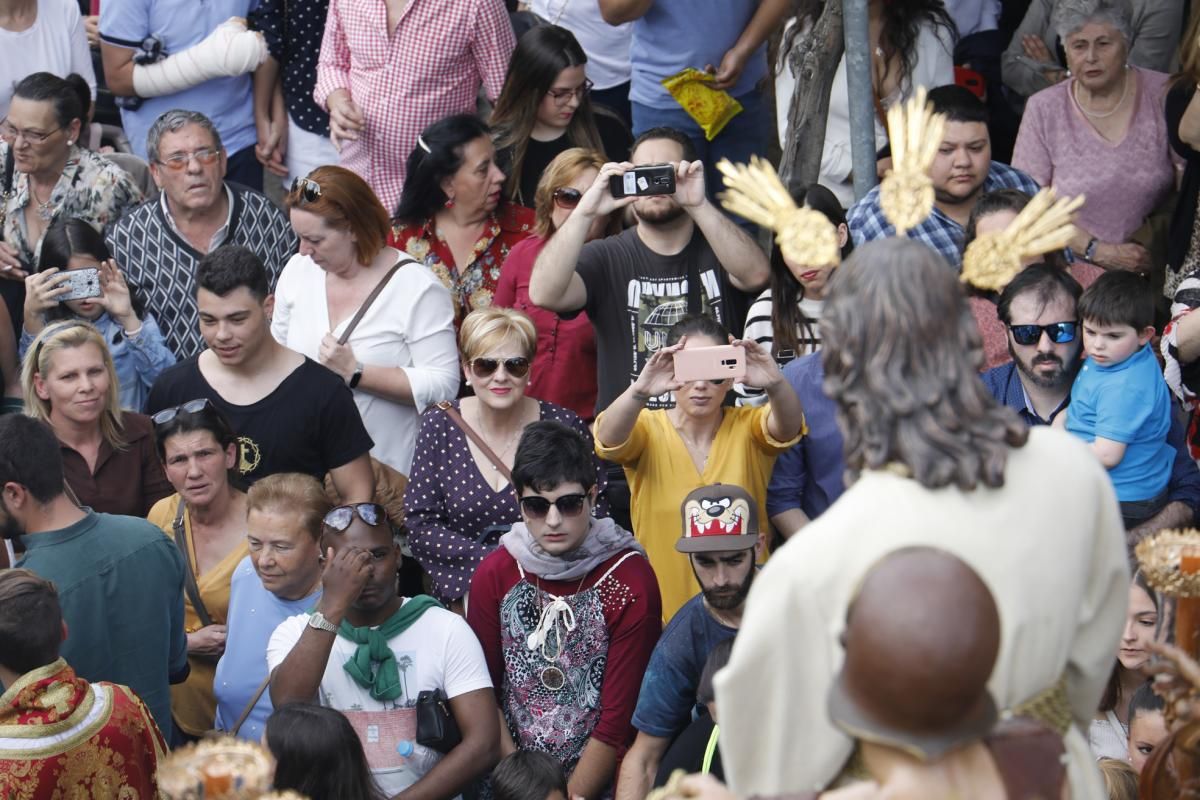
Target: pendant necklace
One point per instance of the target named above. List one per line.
(44, 210)
(557, 612)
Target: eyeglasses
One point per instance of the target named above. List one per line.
(10, 133)
(1059, 332)
(179, 161)
(484, 367)
(562, 96)
(308, 189)
(339, 519)
(566, 197)
(190, 407)
(569, 505)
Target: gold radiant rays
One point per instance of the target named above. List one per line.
(915, 132)
(993, 259)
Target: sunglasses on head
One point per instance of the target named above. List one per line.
(1059, 332)
(484, 367)
(190, 407)
(569, 505)
(308, 189)
(339, 519)
(566, 197)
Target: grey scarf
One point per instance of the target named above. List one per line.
(604, 540)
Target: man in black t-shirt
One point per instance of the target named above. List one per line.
(290, 413)
(683, 256)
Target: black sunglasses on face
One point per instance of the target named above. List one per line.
(339, 519)
(567, 197)
(309, 190)
(484, 367)
(569, 505)
(1059, 332)
(190, 407)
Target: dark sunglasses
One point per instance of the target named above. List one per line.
(484, 367)
(309, 190)
(1059, 332)
(190, 407)
(566, 197)
(569, 505)
(339, 519)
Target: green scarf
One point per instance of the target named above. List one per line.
(384, 681)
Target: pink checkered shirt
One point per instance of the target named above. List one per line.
(431, 66)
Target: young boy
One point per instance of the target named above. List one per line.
(1147, 726)
(1120, 402)
(529, 775)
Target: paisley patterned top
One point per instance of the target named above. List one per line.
(64, 737)
(471, 285)
(91, 188)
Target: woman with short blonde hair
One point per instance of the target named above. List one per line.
(458, 496)
(110, 461)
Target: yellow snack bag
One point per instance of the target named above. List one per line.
(711, 108)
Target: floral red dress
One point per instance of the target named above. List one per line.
(471, 285)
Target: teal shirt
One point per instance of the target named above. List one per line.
(120, 584)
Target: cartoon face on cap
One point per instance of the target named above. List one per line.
(718, 517)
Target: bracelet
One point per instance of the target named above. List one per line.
(130, 334)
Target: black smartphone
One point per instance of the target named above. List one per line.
(644, 180)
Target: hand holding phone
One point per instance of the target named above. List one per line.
(648, 179)
(80, 284)
(720, 363)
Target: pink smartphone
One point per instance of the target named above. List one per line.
(710, 364)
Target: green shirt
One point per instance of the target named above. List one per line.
(120, 584)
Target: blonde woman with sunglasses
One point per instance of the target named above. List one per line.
(564, 370)
(460, 496)
(110, 461)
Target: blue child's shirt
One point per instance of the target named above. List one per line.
(1129, 403)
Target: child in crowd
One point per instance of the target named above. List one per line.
(529, 775)
(1120, 402)
(1147, 725)
(1120, 779)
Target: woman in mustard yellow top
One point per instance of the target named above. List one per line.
(199, 452)
(667, 453)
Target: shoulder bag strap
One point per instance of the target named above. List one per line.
(262, 687)
(189, 577)
(366, 304)
(456, 418)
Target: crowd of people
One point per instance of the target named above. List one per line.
(347, 404)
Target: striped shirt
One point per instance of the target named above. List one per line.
(760, 329)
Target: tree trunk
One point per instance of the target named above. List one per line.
(814, 63)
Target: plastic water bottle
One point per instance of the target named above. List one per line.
(419, 760)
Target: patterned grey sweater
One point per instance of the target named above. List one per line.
(161, 266)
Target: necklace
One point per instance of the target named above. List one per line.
(558, 618)
(1104, 114)
(511, 439)
(691, 444)
(44, 210)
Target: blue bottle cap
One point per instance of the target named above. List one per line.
(405, 748)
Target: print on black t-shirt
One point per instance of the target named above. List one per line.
(655, 306)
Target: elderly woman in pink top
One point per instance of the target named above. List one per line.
(1101, 133)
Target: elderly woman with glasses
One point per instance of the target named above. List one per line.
(400, 356)
(460, 495)
(206, 517)
(47, 175)
(1107, 113)
(564, 369)
(453, 216)
(544, 109)
(110, 462)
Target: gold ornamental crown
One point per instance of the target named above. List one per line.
(1045, 225)
(915, 132)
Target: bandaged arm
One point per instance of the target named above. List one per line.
(228, 51)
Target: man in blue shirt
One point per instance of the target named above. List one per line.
(962, 172)
(1037, 383)
(724, 567)
(119, 580)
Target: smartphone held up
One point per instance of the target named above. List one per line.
(648, 179)
(81, 284)
(718, 363)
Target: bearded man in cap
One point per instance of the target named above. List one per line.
(934, 460)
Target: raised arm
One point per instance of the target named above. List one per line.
(738, 254)
(554, 283)
(615, 424)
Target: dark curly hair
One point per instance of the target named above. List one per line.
(902, 21)
(902, 355)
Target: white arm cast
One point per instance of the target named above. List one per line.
(228, 51)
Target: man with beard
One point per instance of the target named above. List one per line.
(682, 257)
(725, 567)
(1045, 342)
(368, 653)
(962, 172)
(120, 581)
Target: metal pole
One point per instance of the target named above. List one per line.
(862, 103)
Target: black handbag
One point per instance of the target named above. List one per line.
(436, 726)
